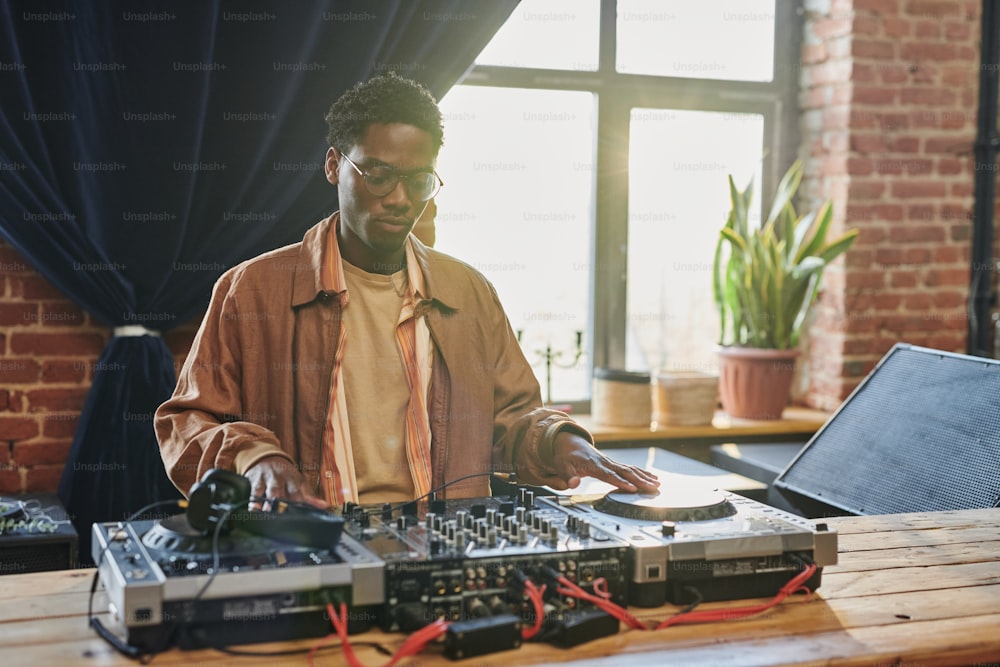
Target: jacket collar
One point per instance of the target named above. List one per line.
(307, 281)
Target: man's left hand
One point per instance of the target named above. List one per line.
(574, 458)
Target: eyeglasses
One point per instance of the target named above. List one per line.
(380, 180)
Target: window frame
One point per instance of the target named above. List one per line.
(617, 94)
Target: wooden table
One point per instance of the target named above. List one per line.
(910, 589)
(797, 424)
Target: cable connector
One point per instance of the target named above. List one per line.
(549, 575)
(518, 581)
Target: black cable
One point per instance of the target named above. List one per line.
(216, 565)
(298, 651)
(393, 508)
(698, 599)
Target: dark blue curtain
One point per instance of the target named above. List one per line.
(148, 146)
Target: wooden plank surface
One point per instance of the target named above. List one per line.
(762, 640)
(850, 525)
(795, 420)
(917, 589)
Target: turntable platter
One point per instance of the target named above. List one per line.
(674, 502)
(175, 535)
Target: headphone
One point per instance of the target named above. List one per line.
(215, 497)
(223, 497)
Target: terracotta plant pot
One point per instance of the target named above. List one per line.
(755, 383)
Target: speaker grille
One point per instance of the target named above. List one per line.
(30, 557)
(921, 433)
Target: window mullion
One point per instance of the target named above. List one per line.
(611, 234)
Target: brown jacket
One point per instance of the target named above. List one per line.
(257, 380)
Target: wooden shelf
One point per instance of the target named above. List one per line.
(796, 425)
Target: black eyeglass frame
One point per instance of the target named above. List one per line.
(398, 176)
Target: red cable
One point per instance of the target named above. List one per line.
(318, 645)
(419, 640)
(340, 626)
(535, 595)
(601, 588)
(794, 585)
(340, 622)
(623, 615)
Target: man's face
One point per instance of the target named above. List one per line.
(373, 229)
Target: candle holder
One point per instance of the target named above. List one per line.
(551, 357)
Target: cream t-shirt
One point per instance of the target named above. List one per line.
(375, 383)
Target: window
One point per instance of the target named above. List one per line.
(586, 156)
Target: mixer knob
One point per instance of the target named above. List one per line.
(401, 523)
(460, 540)
(521, 496)
(437, 546)
(429, 520)
(520, 512)
(529, 499)
(522, 534)
(668, 528)
(491, 537)
(583, 528)
(386, 512)
(438, 524)
(554, 533)
(460, 517)
(491, 516)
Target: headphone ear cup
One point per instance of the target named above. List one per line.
(218, 492)
(199, 507)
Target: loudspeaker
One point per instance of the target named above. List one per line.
(36, 535)
(920, 433)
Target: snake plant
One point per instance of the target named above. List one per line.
(764, 286)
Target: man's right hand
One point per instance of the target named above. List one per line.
(277, 477)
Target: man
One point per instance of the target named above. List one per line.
(425, 228)
(360, 365)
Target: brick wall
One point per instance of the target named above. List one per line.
(48, 351)
(889, 94)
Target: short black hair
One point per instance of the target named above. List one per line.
(386, 98)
